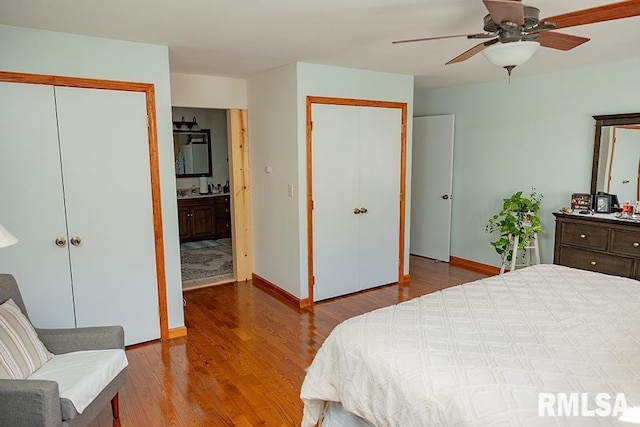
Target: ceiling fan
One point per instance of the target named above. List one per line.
(515, 30)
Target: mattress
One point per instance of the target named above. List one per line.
(481, 353)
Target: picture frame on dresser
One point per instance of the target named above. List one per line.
(602, 203)
(581, 201)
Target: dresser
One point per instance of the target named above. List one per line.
(600, 243)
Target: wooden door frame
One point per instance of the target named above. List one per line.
(240, 193)
(149, 90)
(402, 278)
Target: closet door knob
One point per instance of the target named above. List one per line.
(75, 240)
(363, 210)
(356, 211)
(61, 241)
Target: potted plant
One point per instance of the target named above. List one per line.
(518, 217)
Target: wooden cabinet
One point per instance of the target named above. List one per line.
(604, 244)
(222, 217)
(204, 218)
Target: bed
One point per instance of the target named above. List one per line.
(479, 354)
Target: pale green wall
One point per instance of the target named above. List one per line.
(537, 131)
(46, 52)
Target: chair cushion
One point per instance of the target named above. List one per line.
(21, 351)
(82, 375)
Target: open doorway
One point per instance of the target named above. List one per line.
(201, 148)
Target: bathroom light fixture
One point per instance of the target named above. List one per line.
(184, 125)
(6, 238)
(510, 55)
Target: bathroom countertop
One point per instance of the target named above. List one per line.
(198, 195)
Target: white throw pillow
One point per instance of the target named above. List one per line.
(21, 351)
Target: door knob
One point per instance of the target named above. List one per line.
(363, 210)
(75, 240)
(356, 211)
(61, 241)
(445, 197)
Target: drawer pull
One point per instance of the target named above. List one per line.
(583, 236)
(593, 263)
(636, 244)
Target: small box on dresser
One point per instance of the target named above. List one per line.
(599, 243)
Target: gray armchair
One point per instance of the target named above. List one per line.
(36, 402)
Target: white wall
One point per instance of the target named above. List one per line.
(537, 131)
(191, 90)
(273, 142)
(216, 121)
(44, 52)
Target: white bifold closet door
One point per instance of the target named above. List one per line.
(94, 175)
(32, 203)
(355, 165)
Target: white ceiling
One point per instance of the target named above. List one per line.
(241, 38)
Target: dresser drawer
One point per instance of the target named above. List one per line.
(584, 236)
(594, 261)
(625, 242)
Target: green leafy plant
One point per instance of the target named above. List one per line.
(518, 217)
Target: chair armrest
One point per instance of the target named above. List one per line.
(29, 403)
(60, 341)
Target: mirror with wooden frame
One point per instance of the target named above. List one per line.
(616, 156)
(192, 153)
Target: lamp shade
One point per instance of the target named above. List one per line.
(6, 238)
(510, 54)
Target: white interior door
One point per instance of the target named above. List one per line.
(356, 164)
(32, 206)
(335, 151)
(431, 186)
(105, 163)
(379, 188)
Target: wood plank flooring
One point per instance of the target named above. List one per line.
(243, 361)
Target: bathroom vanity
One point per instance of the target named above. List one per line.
(204, 217)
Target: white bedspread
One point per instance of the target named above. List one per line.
(478, 354)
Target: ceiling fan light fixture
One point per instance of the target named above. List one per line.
(510, 54)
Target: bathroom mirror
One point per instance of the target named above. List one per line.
(192, 151)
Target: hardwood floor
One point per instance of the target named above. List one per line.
(243, 361)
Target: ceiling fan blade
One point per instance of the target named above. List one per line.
(560, 41)
(472, 36)
(505, 11)
(609, 12)
(473, 51)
